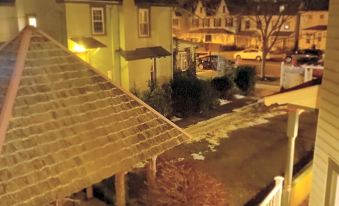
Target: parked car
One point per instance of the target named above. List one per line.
(305, 54)
(250, 54)
(212, 62)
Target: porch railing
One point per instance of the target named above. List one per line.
(274, 197)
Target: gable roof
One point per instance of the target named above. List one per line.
(68, 127)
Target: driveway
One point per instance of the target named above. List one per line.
(245, 149)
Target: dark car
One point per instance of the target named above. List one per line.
(305, 54)
(211, 62)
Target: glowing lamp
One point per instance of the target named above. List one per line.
(32, 21)
(79, 48)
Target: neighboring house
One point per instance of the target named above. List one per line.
(8, 20)
(65, 127)
(16, 14)
(313, 29)
(130, 40)
(211, 25)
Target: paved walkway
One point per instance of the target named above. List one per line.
(245, 149)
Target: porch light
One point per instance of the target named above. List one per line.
(78, 48)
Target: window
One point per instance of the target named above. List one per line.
(200, 10)
(195, 22)
(229, 22)
(208, 38)
(224, 9)
(144, 22)
(206, 23)
(247, 24)
(310, 17)
(332, 184)
(217, 22)
(98, 20)
(175, 22)
(32, 20)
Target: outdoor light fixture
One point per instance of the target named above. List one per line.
(286, 27)
(32, 21)
(78, 48)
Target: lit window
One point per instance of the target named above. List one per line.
(281, 8)
(224, 9)
(144, 22)
(98, 21)
(31, 20)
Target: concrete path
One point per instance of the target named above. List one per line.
(245, 149)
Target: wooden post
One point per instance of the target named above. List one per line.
(151, 171)
(292, 133)
(89, 193)
(120, 189)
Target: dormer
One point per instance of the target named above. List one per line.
(222, 9)
(200, 9)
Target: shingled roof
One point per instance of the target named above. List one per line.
(68, 127)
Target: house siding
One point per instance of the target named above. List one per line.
(8, 22)
(327, 139)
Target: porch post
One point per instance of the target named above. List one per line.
(89, 193)
(120, 189)
(151, 170)
(292, 133)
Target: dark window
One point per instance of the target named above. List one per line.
(208, 38)
(247, 24)
(229, 22)
(206, 22)
(217, 22)
(144, 22)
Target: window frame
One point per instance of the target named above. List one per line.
(217, 22)
(103, 21)
(247, 24)
(148, 9)
(332, 182)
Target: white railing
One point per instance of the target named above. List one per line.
(274, 197)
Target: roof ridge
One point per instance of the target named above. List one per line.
(109, 80)
(6, 110)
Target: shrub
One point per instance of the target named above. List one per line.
(223, 85)
(190, 95)
(159, 98)
(245, 78)
(180, 184)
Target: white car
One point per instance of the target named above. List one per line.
(250, 54)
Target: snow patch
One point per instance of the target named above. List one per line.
(198, 156)
(175, 119)
(238, 96)
(223, 102)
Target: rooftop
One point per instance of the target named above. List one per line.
(64, 127)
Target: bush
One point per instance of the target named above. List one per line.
(223, 85)
(180, 184)
(159, 98)
(245, 78)
(190, 95)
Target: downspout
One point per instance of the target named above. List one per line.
(116, 70)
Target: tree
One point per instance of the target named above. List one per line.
(270, 16)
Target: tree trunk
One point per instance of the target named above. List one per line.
(263, 60)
